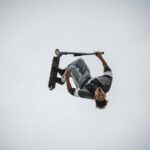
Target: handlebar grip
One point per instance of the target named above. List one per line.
(101, 52)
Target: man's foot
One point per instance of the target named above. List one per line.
(60, 71)
(58, 80)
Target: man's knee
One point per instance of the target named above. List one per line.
(81, 60)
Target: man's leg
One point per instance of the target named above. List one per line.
(61, 72)
(59, 81)
(81, 65)
(80, 72)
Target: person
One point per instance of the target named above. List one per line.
(87, 86)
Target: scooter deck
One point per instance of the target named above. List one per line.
(53, 73)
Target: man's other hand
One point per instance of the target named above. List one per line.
(67, 74)
(99, 54)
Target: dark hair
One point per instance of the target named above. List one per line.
(101, 104)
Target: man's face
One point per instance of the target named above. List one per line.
(100, 94)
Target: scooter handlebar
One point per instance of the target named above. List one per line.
(58, 53)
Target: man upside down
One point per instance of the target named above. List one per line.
(86, 86)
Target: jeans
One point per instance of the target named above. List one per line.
(80, 72)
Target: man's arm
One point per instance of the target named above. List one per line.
(104, 63)
(69, 86)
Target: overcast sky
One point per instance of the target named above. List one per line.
(32, 117)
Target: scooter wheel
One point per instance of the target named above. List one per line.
(57, 52)
(50, 87)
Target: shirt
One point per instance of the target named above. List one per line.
(89, 88)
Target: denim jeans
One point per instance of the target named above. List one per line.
(80, 72)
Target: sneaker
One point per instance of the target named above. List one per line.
(58, 80)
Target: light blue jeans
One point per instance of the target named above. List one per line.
(80, 72)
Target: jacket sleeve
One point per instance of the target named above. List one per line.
(72, 91)
(108, 71)
(80, 93)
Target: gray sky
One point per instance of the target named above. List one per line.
(32, 117)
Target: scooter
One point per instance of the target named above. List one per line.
(55, 65)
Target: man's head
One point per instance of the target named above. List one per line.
(100, 98)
